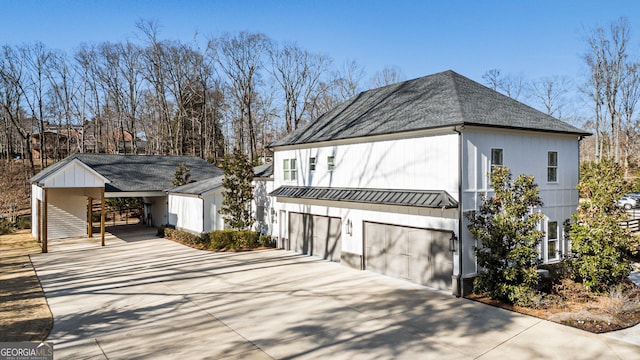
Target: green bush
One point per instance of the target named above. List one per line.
(182, 236)
(22, 222)
(5, 227)
(265, 240)
(235, 239)
(221, 239)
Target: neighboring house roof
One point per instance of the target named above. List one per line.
(438, 100)
(199, 187)
(430, 199)
(263, 171)
(132, 173)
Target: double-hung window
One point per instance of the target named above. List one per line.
(312, 164)
(331, 163)
(496, 158)
(289, 169)
(552, 166)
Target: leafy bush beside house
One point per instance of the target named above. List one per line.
(506, 229)
(600, 247)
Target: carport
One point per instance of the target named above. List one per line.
(63, 193)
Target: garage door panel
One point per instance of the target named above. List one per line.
(315, 235)
(374, 247)
(395, 242)
(419, 255)
(442, 261)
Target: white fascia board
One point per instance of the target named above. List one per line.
(135, 194)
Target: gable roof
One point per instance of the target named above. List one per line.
(73, 173)
(438, 100)
(129, 173)
(416, 198)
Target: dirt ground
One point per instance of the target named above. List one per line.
(24, 312)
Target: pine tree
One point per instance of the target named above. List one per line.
(182, 175)
(238, 192)
(506, 229)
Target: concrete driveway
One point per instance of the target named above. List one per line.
(143, 297)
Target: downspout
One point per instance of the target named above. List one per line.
(460, 292)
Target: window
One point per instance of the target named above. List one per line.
(312, 164)
(496, 158)
(552, 166)
(285, 169)
(330, 163)
(552, 240)
(289, 169)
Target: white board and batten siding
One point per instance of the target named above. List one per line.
(420, 163)
(67, 191)
(417, 163)
(523, 153)
(195, 213)
(185, 212)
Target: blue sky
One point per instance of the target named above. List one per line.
(529, 38)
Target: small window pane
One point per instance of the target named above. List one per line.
(285, 169)
(496, 157)
(312, 164)
(553, 158)
(330, 163)
(552, 240)
(294, 172)
(552, 166)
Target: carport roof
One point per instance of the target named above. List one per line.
(136, 173)
(418, 198)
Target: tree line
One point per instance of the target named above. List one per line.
(244, 90)
(158, 96)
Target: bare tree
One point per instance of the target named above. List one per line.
(348, 79)
(549, 91)
(241, 60)
(607, 60)
(387, 76)
(514, 86)
(298, 73)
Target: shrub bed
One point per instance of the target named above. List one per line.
(218, 239)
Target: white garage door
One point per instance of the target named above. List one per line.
(315, 235)
(418, 255)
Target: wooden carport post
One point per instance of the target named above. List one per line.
(90, 216)
(44, 223)
(102, 217)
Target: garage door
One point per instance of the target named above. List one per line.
(418, 255)
(315, 235)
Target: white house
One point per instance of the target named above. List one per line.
(63, 193)
(382, 181)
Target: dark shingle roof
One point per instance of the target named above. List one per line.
(263, 171)
(442, 99)
(430, 199)
(199, 187)
(137, 172)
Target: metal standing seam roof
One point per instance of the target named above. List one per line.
(434, 101)
(418, 198)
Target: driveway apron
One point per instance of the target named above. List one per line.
(144, 297)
